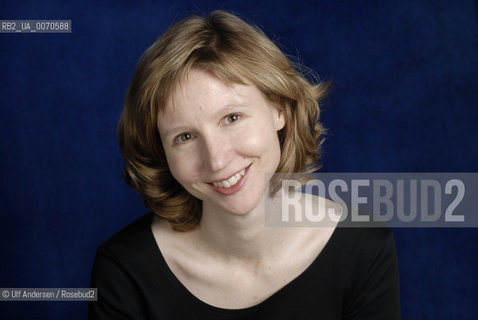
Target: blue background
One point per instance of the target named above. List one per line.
(405, 99)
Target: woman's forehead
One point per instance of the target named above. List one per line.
(203, 87)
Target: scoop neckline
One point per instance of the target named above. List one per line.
(191, 298)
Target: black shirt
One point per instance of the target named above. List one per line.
(354, 277)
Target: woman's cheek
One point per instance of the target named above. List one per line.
(264, 145)
(182, 165)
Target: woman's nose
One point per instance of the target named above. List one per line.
(217, 152)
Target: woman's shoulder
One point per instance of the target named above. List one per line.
(133, 239)
(362, 234)
(127, 272)
(129, 258)
(364, 239)
(369, 262)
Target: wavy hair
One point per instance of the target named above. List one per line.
(235, 52)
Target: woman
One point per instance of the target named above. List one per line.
(212, 108)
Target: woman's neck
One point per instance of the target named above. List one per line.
(247, 238)
(243, 237)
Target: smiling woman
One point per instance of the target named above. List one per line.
(235, 53)
(214, 106)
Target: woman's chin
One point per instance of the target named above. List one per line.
(238, 206)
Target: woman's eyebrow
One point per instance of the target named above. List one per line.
(230, 107)
(175, 130)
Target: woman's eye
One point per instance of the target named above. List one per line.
(184, 137)
(231, 118)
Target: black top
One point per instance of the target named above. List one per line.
(354, 277)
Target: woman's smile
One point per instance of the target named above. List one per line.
(233, 184)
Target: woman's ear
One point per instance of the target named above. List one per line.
(280, 118)
(278, 112)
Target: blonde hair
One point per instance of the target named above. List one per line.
(235, 52)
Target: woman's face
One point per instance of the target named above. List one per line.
(220, 141)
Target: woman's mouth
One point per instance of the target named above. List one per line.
(232, 184)
(231, 181)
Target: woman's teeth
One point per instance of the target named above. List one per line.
(231, 181)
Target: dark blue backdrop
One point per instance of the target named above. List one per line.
(405, 99)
